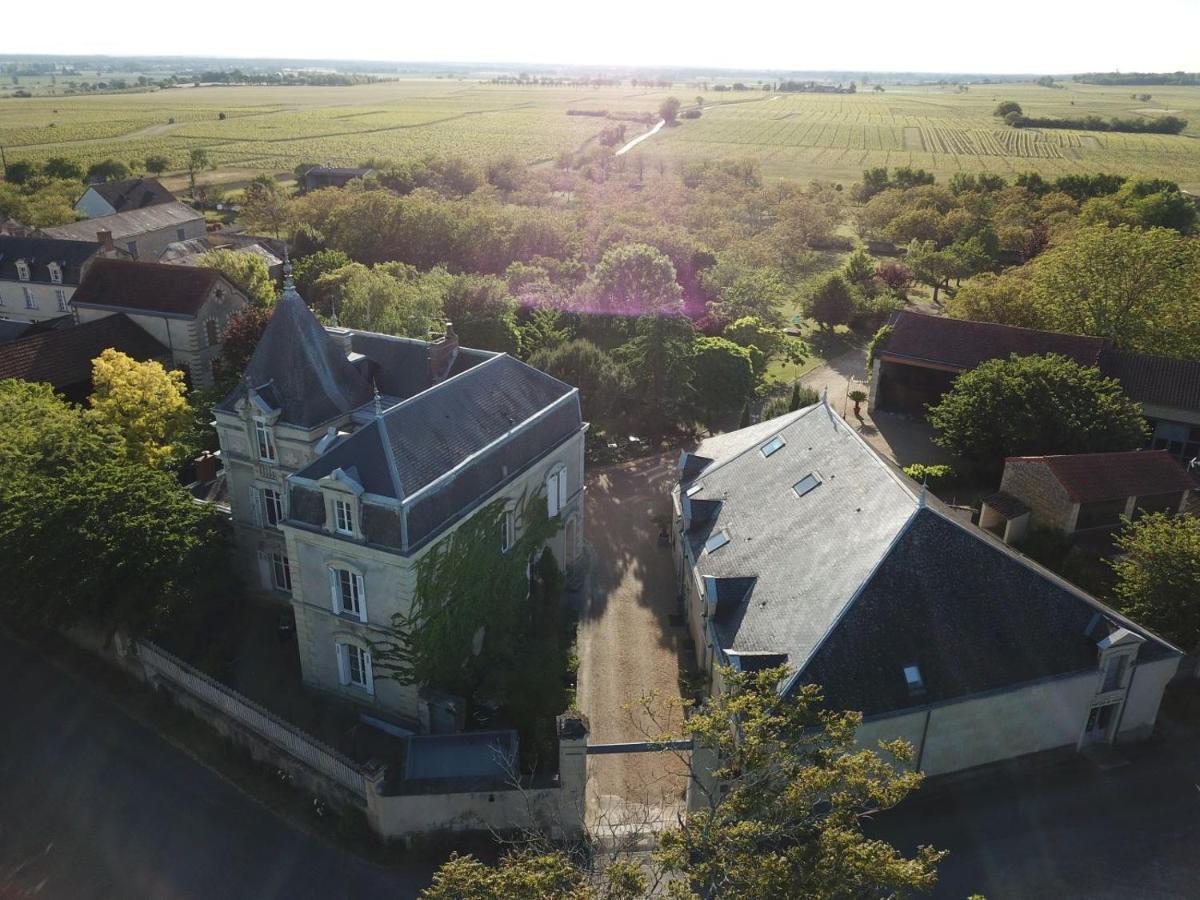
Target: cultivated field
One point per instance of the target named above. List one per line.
(798, 136)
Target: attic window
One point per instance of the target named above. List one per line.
(717, 541)
(807, 483)
(694, 489)
(22, 270)
(912, 676)
(772, 445)
(55, 273)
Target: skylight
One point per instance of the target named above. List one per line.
(695, 489)
(912, 676)
(772, 445)
(717, 541)
(807, 483)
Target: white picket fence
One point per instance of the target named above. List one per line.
(283, 735)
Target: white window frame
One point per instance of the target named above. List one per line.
(556, 491)
(343, 516)
(212, 333)
(23, 273)
(281, 566)
(272, 502)
(60, 295)
(508, 530)
(55, 273)
(30, 299)
(341, 581)
(346, 652)
(264, 438)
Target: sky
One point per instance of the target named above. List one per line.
(1016, 36)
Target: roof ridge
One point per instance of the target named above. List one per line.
(798, 415)
(408, 401)
(955, 319)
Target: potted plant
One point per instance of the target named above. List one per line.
(859, 397)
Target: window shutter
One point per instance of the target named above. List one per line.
(562, 489)
(552, 495)
(266, 574)
(361, 590)
(342, 662)
(255, 507)
(333, 590)
(370, 678)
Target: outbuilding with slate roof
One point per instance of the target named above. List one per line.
(799, 546)
(39, 276)
(350, 455)
(108, 197)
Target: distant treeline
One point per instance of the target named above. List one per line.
(815, 87)
(1139, 78)
(316, 79)
(1160, 125)
(524, 79)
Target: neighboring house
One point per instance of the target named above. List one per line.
(1083, 491)
(142, 233)
(922, 356)
(12, 228)
(798, 545)
(62, 357)
(186, 309)
(109, 197)
(338, 492)
(38, 276)
(328, 176)
(191, 253)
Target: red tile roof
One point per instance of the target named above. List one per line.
(153, 287)
(63, 357)
(1091, 477)
(962, 344)
(1156, 380)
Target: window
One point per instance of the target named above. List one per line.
(349, 593)
(807, 483)
(180, 234)
(1, 299)
(912, 677)
(55, 273)
(266, 441)
(1114, 674)
(343, 517)
(272, 505)
(132, 248)
(509, 529)
(281, 572)
(556, 491)
(61, 296)
(772, 445)
(717, 541)
(694, 489)
(354, 667)
(22, 270)
(30, 300)
(211, 332)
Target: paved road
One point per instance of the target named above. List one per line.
(1068, 830)
(92, 804)
(627, 644)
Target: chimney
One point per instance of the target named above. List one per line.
(206, 467)
(442, 353)
(106, 241)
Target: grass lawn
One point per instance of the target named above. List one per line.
(822, 346)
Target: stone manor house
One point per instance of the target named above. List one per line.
(349, 455)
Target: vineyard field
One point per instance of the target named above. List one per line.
(798, 136)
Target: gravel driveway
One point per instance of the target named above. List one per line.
(627, 644)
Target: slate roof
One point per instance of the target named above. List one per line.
(1091, 477)
(145, 286)
(1156, 380)
(135, 193)
(1006, 504)
(40, 252)
(63, 357)
(861, 576)
(962, 344)
(10, 330)
(127, 224)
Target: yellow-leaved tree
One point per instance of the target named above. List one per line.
(145, 403)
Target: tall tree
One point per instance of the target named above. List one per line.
(668, 110)
(266, 206)
(198, 160)
(142, 401)
(239, 339)
(1035, 405)
(605, 388)
(723, 379)
(635, 280)
(830, 302)
(108, 170)
(1158, 576)
(661, 353)
(246, 271)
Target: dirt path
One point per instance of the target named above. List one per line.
(627, 644)
(641, 137)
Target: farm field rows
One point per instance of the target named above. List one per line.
(800, 136)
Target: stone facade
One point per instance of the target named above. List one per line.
(1035, 485)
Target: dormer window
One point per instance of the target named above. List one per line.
(772, 445)
(265, 440)
(343, 517)
(22, 270)
(694, 489)
(55, 273)
(717, 541)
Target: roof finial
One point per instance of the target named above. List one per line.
(333, 319)
(287, 272)
(378, 401)
(825, 395)
(922, 500)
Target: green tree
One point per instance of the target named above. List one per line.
(391, 299)
(246, 271)
(859, 268)
(58, 167)
(830, 302)
(266, 206)
(661, 353)
(723, 379)
(1035, 405)
(635, 280)
(1134, 287)
(765, 342)
(546, 876)
(108, 170)
(197, 161)
(307, 270)
(157, 164)
(19, 172)
(483, 312)
(668, 110)
(1158, 576)
(1005, 107)
(605, 388)
(143, 402)
(1005, 298)
(239, 339)
(931, 266)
